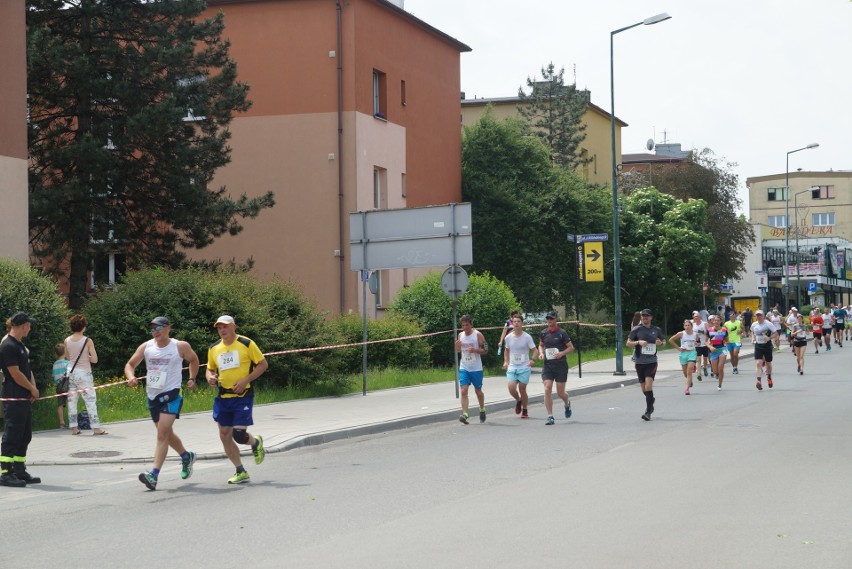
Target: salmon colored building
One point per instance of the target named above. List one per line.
(14, 224)
(356, 106)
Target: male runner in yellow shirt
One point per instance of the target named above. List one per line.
(233, 363)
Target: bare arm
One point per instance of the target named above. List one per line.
(187, 353)
(132, 363)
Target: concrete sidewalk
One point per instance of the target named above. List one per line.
(294, 424)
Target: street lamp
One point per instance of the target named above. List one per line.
(787, 214)
(798, 273)
(616, 274)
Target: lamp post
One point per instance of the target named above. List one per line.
(616, 274)
(798, 273)
(787, 214)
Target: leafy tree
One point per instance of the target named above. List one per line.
(24, 288)
(487, 300)
(555, 112)
(523, 207)
(665, 252)
(129, 104)
(704, 176)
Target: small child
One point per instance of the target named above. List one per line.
(60, 368)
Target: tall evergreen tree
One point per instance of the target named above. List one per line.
(129, 107)
(555, 112)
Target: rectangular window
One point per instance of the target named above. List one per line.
(823, 192)
(822, 219)
(380, 95)
(402, 93)
(776, 194)
(380, 188)
(777, 221)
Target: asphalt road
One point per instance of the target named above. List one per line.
(719, 479)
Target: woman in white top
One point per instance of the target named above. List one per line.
(688, 355)
(78, 344)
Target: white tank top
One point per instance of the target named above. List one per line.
(688, 341)
(164, 367)
(74, 347)
(470, 361)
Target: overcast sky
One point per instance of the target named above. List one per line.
(749, 79)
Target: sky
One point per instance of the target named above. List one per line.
(749, 79)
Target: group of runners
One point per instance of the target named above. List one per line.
(712, 341)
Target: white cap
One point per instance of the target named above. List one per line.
(794, 308)
(696, 313)
(758, 311)
(224, 319)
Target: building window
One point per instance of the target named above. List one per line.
(402, 93)
(380, 95)
(823, 192)
(380, 188)
(822, 219)
(777, 221)
(776, 195)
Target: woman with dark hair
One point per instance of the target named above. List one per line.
(80, 352)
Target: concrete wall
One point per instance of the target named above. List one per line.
(14, 216)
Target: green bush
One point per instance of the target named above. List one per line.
(488, 301)
(24, 288)
(405, 354)
(274, 315)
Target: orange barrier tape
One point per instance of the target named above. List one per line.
(314, 349)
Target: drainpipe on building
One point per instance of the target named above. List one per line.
(340, 201)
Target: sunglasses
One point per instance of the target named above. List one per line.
(157, 328)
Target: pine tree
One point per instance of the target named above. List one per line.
(129, 107)
(555, 112)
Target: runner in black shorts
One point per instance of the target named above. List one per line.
(763, 334)
(644, 339)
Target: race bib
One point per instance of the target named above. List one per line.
(688, 345)
(156, 378)
(518, 359)
(229, 360)
(550, 353)
(468, 358)
(649, 349)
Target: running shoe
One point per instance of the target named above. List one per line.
(759, 385)
(258, 451)
(186, 466)
(482, 416)
(816, 352)
(646, 416)
(524, 414)
(801, 372)
(736, 371)
(705, 372)
(568, 410)
(798, 369)
(719, 388)
(769, 381)
(686, 391)
(518, 407)
(463, 418)
(239, 478)
(148, 480)
(550, 421)
(828, 348)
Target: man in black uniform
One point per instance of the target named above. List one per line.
(645, 339)
(19, 384)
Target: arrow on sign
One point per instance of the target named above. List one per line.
(594, 255)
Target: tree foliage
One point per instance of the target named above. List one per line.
(24, 288)
(555, 112)
(275, 315)
(705, 176)
(523, 207)
(665, 252)
(487, 300)
(129, 104)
